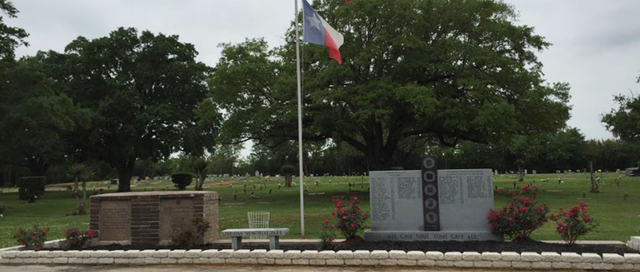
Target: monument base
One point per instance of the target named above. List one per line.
(370, 235)
(152, 218)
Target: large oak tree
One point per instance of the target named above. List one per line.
(429, 69)
(141, 94)
(33, 116)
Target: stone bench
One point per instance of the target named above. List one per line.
(236, 236)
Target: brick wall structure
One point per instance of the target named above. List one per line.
(151, 218)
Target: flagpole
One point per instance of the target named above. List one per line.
(300, 164)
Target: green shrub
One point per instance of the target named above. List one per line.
(288, 169)
(181, 180)
(189, 236)
(327, 235)
(397, 168)
(30, 188)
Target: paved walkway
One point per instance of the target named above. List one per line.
(203, 268)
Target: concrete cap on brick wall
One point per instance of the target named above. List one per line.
(158, 194)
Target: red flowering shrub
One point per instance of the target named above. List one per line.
(521, 217)
(349, 218)
(574, 222)
(31, 239)
(75, 238)
(327, 234)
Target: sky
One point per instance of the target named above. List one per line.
(594, 43)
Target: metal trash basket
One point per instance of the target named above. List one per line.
(258, 220)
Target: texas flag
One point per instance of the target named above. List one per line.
(318, 31)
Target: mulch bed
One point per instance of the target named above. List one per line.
(523, 246)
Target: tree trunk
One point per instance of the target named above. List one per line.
(594, 184)
(520, 173)
(76, 193)
(125, 172)
(287, 180)
(38, 166)
(200, 182)
(380, 160)
(84, 198)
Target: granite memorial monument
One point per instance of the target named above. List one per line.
(431, 204)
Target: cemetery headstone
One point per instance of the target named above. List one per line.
(534, 172)
(431, 204)
(257, 174)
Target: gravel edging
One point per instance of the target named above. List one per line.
(525, 260)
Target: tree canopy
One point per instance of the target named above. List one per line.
(140, 93)
(446, 71)
(10, 36)
(33, 115)
(624, 122)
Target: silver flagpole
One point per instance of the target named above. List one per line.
(301, 172)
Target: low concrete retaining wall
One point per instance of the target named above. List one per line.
(634, 242)
(525, 260)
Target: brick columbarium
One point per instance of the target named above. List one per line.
(151, 218)
(431, 204)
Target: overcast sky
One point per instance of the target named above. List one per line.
(595, 43)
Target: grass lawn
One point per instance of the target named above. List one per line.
(618, 218)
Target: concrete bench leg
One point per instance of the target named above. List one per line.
(274, 242)
(236, 243)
